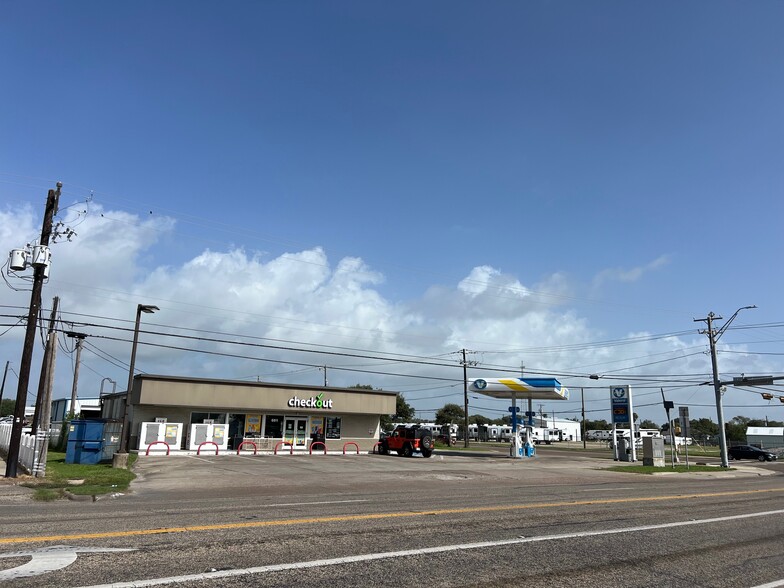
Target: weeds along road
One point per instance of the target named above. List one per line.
(374, 520)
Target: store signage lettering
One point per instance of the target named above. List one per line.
(311, 402)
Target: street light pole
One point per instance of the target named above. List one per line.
(140, 308)
(713, 337)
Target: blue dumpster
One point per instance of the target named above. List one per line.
(93, 441)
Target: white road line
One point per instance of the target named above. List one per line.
(425, 551)
(199, 458)
(771, 584)
(47, 559)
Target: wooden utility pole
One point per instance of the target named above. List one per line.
(2, 387)
(46, 364)
(79, 339)
(42, 432)
(12, 459)
(465, 399)
(582, 428)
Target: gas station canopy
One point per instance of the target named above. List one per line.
(509, 388)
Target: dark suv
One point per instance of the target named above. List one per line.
(751, 452)
(407, 440)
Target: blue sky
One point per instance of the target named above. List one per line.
(619, 162)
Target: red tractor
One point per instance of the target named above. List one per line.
(407, 440)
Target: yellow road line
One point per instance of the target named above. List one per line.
(368, 517)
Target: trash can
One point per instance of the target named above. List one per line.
(92, 441)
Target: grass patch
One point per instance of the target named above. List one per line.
(47, 494)
(97, 479)
(679, 469)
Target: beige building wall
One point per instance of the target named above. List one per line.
(176, 398)
(247, 397)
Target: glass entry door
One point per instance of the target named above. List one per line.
(295, 431)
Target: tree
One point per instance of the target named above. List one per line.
(735, 429)
(478, 419)
(763, 423)
(648, 424)
(703, 429)
(450, 413)
(601, 425)
(403, 410)
(7, 406)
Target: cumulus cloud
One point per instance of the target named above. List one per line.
(298, 300)
(629, 275)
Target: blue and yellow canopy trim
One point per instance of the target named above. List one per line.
(540, 388)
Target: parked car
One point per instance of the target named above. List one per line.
(407, 440)
(751, 452)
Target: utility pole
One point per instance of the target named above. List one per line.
(717, 392)
(465, 363)
(465, 399)
(52, 200)
(42, 433)
(5, 373)
(582, 428)
(79, 339)
(46, 365)
(713, 337)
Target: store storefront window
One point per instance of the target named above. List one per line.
(273, 426)
(332, 427)
(200, 417)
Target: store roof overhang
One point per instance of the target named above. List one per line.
(507, 388)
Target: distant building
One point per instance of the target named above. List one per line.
(570, 430)
(765, 437)
(85, 408)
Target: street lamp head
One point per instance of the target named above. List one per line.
(148, 308)
(594, 376)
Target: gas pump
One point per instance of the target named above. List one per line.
(515, 450)
(522, 442)
(529, 450)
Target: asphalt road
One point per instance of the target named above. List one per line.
(368, 520)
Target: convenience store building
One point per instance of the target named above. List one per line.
(260, 412)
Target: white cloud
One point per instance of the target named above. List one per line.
(629, 275)
(299, 300)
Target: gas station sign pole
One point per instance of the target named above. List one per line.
(622, 412)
